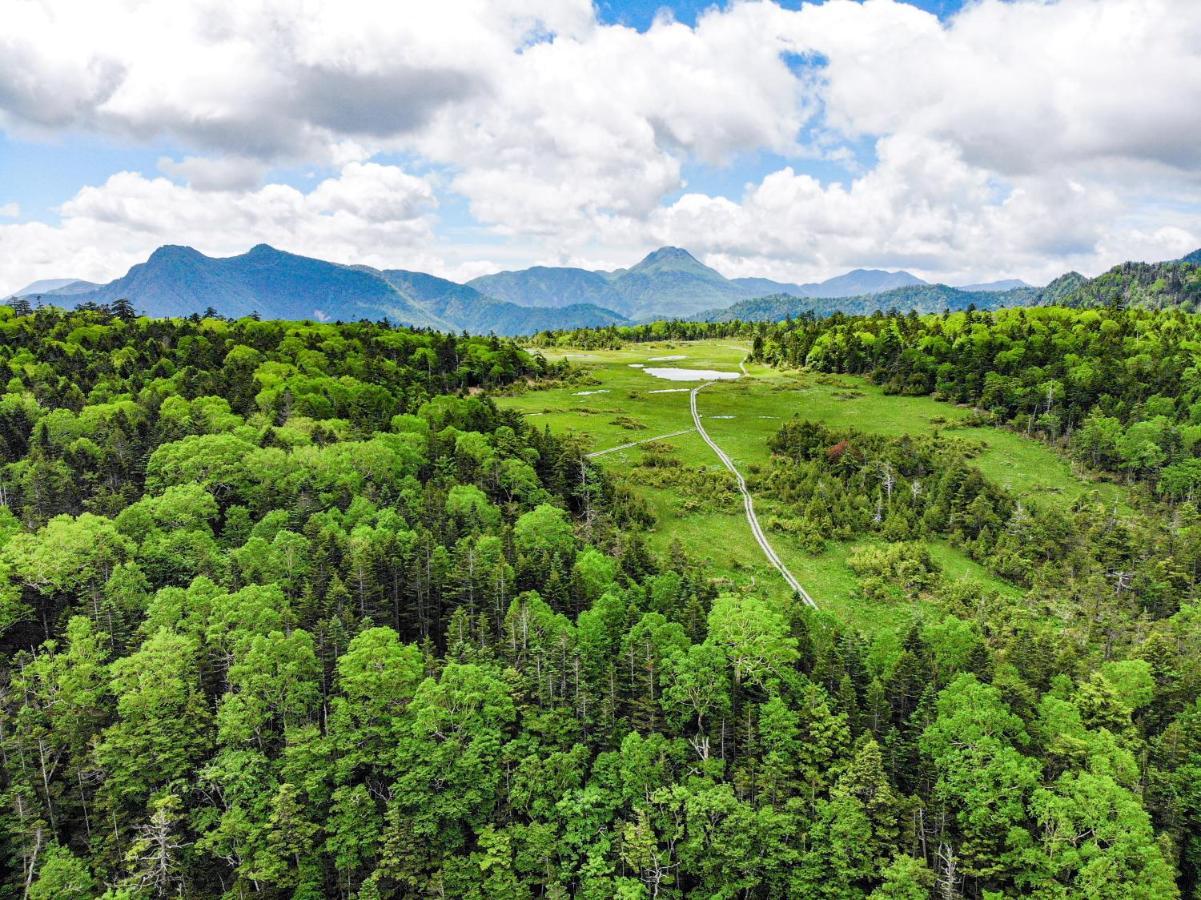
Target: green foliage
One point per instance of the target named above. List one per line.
(351, 631)
(62, 877)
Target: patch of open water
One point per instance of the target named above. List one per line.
(672, 374)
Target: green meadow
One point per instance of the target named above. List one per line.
(618, 403)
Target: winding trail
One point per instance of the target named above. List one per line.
(742, 362)
(657, 437)
(747, 502)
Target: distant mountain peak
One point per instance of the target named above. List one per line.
(669, 252)
(1072, 277)
(669, 257)
(1194, 257)
(175, 250)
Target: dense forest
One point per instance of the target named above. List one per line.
(293, 610)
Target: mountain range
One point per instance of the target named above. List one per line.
(668, 283)
(178, 281)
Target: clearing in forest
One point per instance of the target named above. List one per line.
(640, 428)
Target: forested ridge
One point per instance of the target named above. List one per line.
(293, 610)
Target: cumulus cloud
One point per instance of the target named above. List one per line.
(269, 78)
(1022, 85)
(1015, 137)
(368, 213)
(600, 124)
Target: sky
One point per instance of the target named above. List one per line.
(963, 142)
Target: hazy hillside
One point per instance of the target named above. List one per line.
(861, 281)
(850, 284)
(1007, 284)
(429, 291)
(56, 286)
(549, 286)
(669, 283)
(469, 310)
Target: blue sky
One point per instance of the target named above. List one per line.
(639, 14)
(963, 142)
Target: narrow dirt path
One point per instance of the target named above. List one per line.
(747, 502)
(657, 437)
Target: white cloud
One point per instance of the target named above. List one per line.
(1017, 137)
(369, 214)
(10, 210)
(1021, 85)
(270, 78)
(600, 125)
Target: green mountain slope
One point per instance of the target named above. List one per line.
(1063, 287)
(925, 298)
(1143, 285)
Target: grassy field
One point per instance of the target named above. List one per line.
(621, 403)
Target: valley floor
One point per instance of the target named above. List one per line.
(622, 411)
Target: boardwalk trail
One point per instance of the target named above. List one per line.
(658, 437)
(747, 502)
